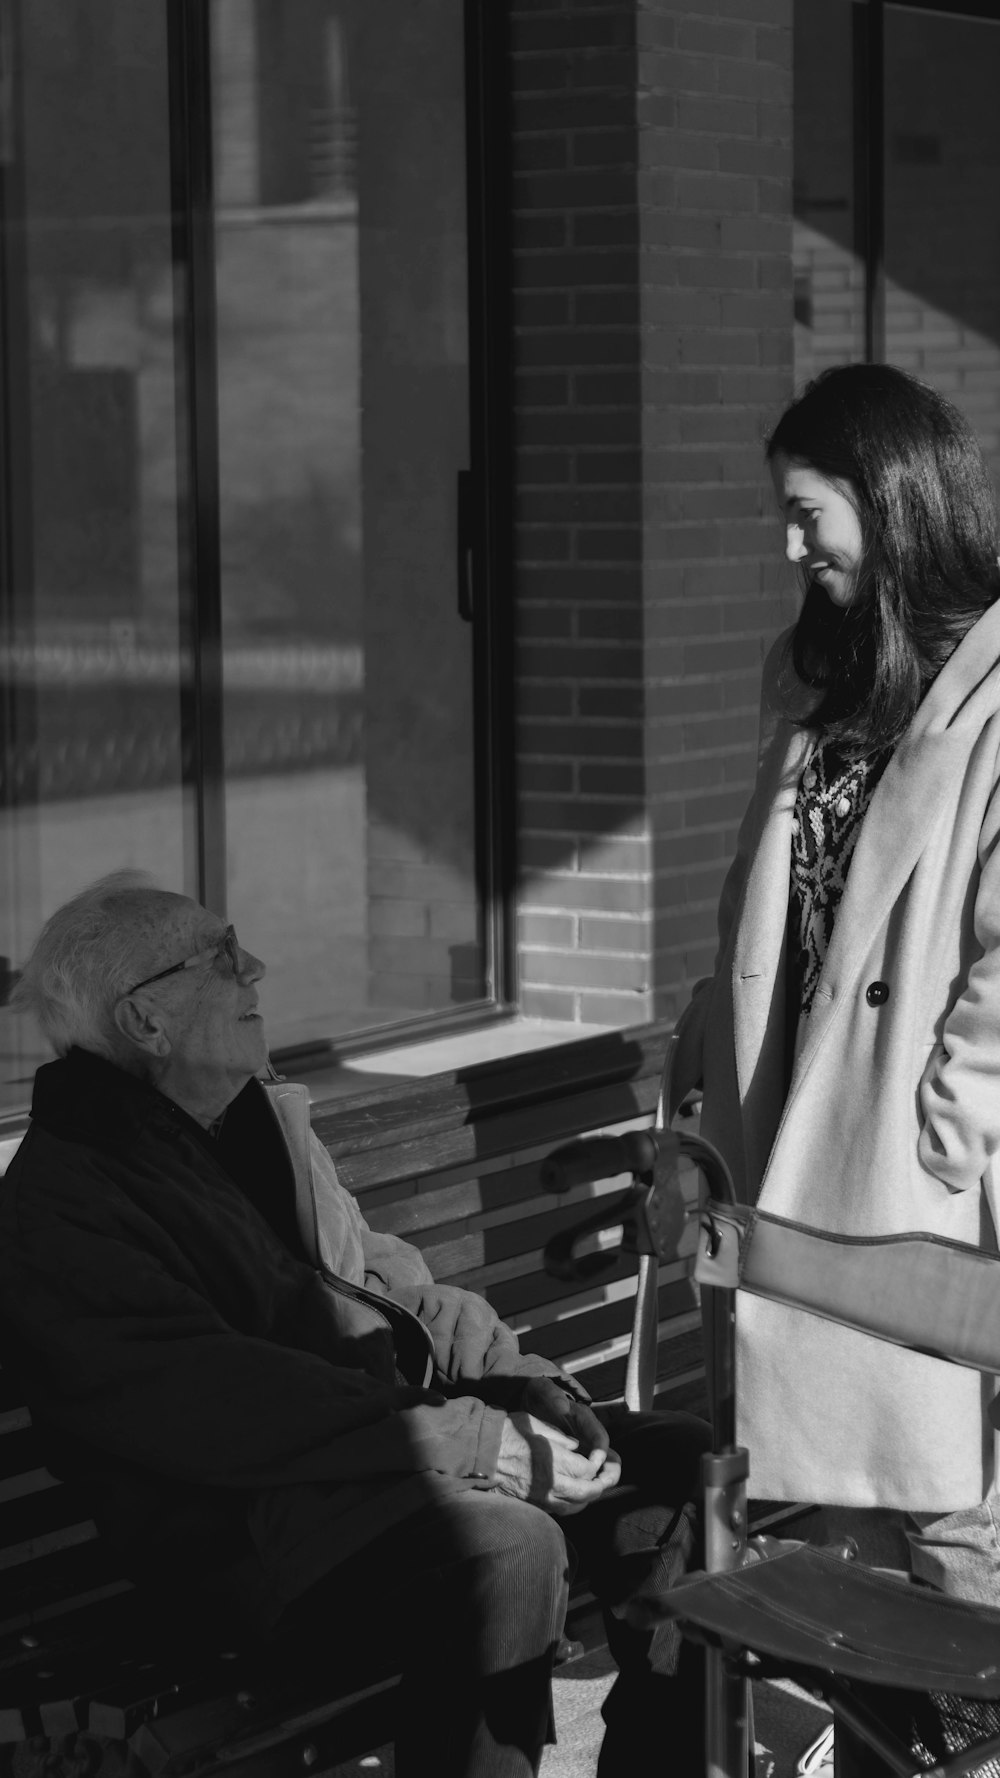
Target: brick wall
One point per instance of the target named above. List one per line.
(653, 319)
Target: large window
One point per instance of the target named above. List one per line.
(897, 194)
(246, 552)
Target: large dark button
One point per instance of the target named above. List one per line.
(877, 993)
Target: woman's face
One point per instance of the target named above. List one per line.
(822, 528)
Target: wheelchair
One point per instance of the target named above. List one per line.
(912, 1676)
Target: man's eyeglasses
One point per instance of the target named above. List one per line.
(228, 947)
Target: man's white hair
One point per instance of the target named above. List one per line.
(88, 955)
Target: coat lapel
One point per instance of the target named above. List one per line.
(923, 774)
(757, 974)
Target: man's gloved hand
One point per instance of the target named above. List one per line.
(540, 1464)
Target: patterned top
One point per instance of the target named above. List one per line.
(833, 795)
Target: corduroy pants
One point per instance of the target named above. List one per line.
(469, 1599)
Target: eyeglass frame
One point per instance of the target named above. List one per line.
(227, 945)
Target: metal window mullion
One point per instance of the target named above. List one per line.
(873, 129)
(487, 135)
(192, 196)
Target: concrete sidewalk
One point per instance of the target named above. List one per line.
(785, 1722)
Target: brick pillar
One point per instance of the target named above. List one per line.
(715, 203)
(584, 903)
(653, 341)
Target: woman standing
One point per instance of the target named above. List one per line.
(849, 1041)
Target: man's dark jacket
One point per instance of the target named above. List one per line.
(230, 1408)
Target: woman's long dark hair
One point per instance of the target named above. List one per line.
(928, 517)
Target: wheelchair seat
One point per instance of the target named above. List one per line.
(808, 1607)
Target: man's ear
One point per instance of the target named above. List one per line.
(143, 1029)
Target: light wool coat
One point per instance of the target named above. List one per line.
(892, 1117)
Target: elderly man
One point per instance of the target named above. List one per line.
(275, 1410)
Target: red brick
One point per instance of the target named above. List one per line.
(672, 621)
(547, 929)
(625, 895)
(714, 657)
(714, 578)
(717, 37)
(534, 73)
(709, 347)
(551, 468)
(574, 266)
(602, 701)
(604, 148)
(586, 189)
(607, 389)
(767, 158)
(596, 70)
(606, 308)
(576, 111)
(758, 309)
(617, 856)
(577, 345)
(589, 506)
(706, 426)
(544, 622)
(759, 387)
(534, 699)
(716, 271)
(723, 192)
(657, 110)
(681, 73)
(612, 623)
(581, 583)
(774, 122)
(615, 1010)
(535, 543)
(661, 149)
(761, 12)
(662, 226)
(614, 935)
(620, 544)
(535, 390)
(605, 228)
(685, 849)
(546, 309)
(607, 741)
(684, 308)
(754, 80)
(543, 852)
(539, 154)
(618, 424)
(606, 779)
(596, 467)
(608, 27)
(774, 196)
(718, 118)
(775, 46)
(544, 777)
(547, 1003)
(756, 234)
(530, 232)
(583, 969)
(575, 662)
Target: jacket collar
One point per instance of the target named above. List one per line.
(85, 1098)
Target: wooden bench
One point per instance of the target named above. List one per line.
(451, 1163)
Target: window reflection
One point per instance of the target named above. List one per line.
(343, 394)
(92, 665)
(343, 369)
